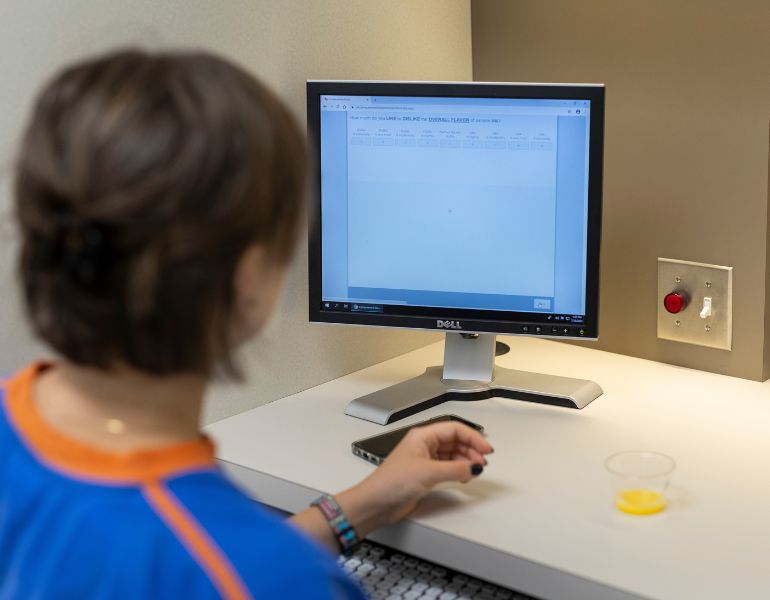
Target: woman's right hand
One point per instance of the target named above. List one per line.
(427, 456)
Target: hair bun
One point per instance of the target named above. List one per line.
(86, 253)
(81, 248)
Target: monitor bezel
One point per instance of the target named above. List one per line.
(455, 319)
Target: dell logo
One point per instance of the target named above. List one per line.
(448, 324)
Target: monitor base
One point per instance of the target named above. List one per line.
(431, 389)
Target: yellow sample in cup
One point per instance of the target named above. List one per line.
(640, 501)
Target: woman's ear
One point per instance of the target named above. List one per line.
(257, 285)
(249, 273)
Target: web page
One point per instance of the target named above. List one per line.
(432, 198)
(463, 203)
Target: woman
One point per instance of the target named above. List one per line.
(159, 197)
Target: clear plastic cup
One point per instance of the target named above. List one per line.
(639, 480)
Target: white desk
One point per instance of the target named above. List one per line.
(540, 518)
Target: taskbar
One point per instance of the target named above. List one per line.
(546, 323)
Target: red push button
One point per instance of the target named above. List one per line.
(674, 302)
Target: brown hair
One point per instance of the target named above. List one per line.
(141, 180)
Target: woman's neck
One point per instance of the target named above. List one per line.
(122, 409)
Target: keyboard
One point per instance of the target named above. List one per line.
(387, 574)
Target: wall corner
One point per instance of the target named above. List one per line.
(766, 340)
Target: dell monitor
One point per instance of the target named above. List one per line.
(470, 208)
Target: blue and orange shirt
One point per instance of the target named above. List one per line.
(78, 522)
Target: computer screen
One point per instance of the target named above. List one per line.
(468, 207)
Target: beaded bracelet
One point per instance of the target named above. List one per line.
(346, 535)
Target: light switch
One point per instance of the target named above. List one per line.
(695, 303)
(705, 312)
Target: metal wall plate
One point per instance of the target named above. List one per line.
(696, 281)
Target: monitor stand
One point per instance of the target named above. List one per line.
(469, 373)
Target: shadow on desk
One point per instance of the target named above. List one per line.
(457, 496)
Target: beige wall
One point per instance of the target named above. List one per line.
(686, 155)
(283, 41)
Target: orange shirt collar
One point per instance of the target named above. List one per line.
(79, 460)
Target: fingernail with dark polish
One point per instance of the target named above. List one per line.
(486, 462)
(492, 450)
(476, 469)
